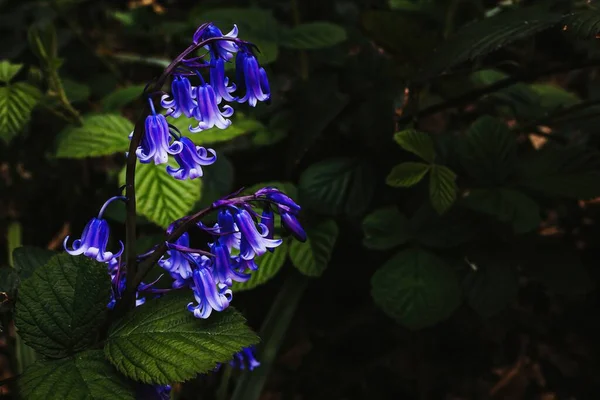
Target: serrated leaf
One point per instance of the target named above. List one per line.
(416, 288)
(407, 174)
(269, 265)
(61, 306)
(418, 143)
(442, 188)
(491, 287)
(585, 23)
(161, 198)
(100, 135)
(489, 151)
(87, 375)
(8, 70)
(121, 97)
(336, 186)
(240, 126)
(568, 172)
(28, 258)
(385, 228)
(482, 37)
(507, 206)
(162, 342)
(312, 35)
(312, 257)
(17, 101)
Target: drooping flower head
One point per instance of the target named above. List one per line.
(94, 238)
(191, 159)
(251, 78)
(207, 111)
(177, 264)
(287, 208)
(253, 237)
(156, 143)
(182, 98)
(223, 49)
(209, 295)
(220, 82)
(225, 268)
(245, 359)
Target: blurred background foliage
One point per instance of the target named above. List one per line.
(445, 153)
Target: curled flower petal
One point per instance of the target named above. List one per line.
(155, 142)
(251, 78)
(253, 243)
(221, 48)
(207, 111)
(93, 242)
(191, 159)
(182, 98)
(245, 359)
(290, 222)
(177, 264)
(224, 270)
(220, 82)
(208, 295)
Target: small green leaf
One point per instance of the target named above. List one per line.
(489, 151)
(62, 304)
(416, 288)
(161, 198)
(162, 342)
(418, 143)
(313, 35)
(121, 97)
(8, 70)
(240, 126)
(86, 375)
(553, 97)
(442, 188)
(100, 135)
(407, 174)
(385, 228)
(312, 257)
(28, 258)
(487, 77)
(491, 287)
(17, 101)
(269, 265)
(336, 186)
(76, 92)
(506, 205)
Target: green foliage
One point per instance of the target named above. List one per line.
(418, 143)
(17, 101)
(313, 35)
(416, 288)
(121, 97)
(160, 198)
(312, 257)
(442, 188)
(490, 287)
(584, 23)
(61, 306)
(99, 135)
(27, 259)
(163, 342)
(507, 206)
(8, 71)
(337, 186)
(241, 125)
(86, 375)
(385, 228)
(407, 174)
(269, 265)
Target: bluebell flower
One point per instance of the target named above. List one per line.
(225, 270)
(287, 208)
(207, 111)
(177, 264)
(155, 143)
(93, 242)
(182, 101)
(223, 49)
(253, 240)
(191, 159)
(220, 82)
(291, 224)
(268, 219)
(152, 392)
(245, 359)
(251, 78)
(208, 294)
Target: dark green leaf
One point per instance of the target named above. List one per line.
(407, 174)
(17, 101)
(240, 126)
(86, 375)
(8, 70)
(385, 228)
(416, 288)
(336, 186)
(553, 97)
(62, 304)
(121, 97)
(491, 287)
(506, 205)
(313, 35)
(100, 135)
(269, 265)
(489, 151)
(162, 342)
(418, 143)
(28, 258)
(76, 92)
(312, 257)
(442, 188)
(585, 23)
(160, 198)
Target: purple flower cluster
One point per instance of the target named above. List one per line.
(202, 102)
